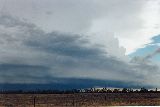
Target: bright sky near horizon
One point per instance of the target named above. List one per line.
(94, 39)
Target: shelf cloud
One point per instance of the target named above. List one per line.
(31, 55)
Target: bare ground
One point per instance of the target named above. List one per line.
(79, 99)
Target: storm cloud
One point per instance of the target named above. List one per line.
(29, 55)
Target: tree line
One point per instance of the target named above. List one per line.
(88, 90)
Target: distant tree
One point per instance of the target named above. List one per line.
(109, 90)
(156, 90)
(151, 91)
(136, 91)
(144, 90)
(98, 90)
(130, 90)
(104, 90)
(116, 90)
(124, 90)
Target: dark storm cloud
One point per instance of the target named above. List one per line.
(12, 73)
(64, 44)
(72, 83)
(30, 55)
(75, 53)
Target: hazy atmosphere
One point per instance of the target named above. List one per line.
(80, 43)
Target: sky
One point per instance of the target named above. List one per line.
(91, 42)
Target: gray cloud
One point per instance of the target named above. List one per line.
(16, 73)
(76, 15)
(157, 51)
(123, 18)
(64, 44)
(31, 55)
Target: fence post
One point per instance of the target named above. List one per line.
(34, 101)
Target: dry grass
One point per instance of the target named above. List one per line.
(79, 99)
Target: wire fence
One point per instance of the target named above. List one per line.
(76, 100)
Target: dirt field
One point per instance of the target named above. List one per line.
(79, 99)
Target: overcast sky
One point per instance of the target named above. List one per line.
(115, 40)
